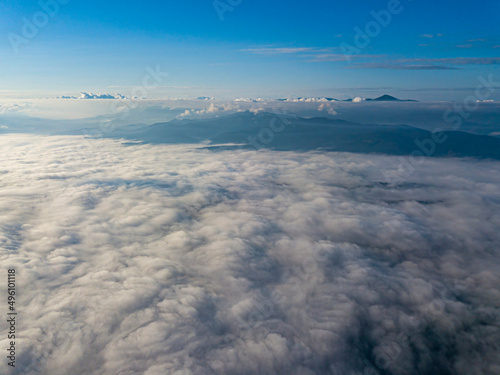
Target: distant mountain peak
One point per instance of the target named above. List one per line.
(386, 98)
(390, 98)
(383, 98)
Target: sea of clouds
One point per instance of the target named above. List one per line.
(161, 259)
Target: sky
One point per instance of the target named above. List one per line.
(230, 48)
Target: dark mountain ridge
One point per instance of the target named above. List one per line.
(292, 133)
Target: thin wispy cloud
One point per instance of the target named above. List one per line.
(455, 60)
(310, 53)
(430, 36)
(378, 61)
(478, 43)
(158, 87)
(333, 57)
(400, 66)
(426, 63)
(276, 51)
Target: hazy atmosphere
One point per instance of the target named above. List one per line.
(231, 187)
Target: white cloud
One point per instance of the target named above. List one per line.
(328, 108)
(84, 95)
(6, 108)
(308, 100)
(176, 260)
(256, 110)
(212, 108)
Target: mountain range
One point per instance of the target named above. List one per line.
(291, 133)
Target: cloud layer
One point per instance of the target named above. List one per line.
(162, 259)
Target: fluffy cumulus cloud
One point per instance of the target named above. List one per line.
(85, 95)
(160, 259)
(211, 109)
(8, 108)
(328, 108)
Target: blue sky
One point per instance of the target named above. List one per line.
(428, 49)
